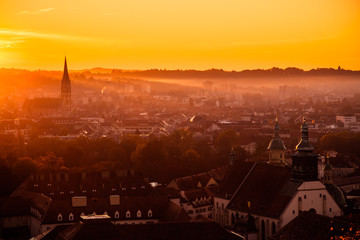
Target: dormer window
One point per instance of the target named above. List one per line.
(105, 213)
(149, 213)
(117, 215)
(71, 217)
(138, 214)
(128, 214)
(59, 217)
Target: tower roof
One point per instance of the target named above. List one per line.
(304, 144)
(65, 78)
(276, 142)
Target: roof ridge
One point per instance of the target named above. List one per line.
(243, 181)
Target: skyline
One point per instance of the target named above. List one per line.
(230, 35)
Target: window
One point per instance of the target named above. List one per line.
(222, 206)
(138, 214)
(293, 211)
(128, 214)
(59, 217)
(304, 196)
(217, 204)
(320, 195)
(150, 213)
(117, 215)
(330, 209)
(71, 217)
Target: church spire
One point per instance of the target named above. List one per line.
(66, 92)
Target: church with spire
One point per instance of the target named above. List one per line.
(272, 194)
(66, 93)
(52, 107)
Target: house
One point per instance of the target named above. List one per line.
(63, 197)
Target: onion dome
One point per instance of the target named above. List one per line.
(276, 143)
(304, 144)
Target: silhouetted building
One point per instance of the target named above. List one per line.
(52, 107)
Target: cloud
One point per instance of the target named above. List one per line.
(40, 11)
(8, 43)
(20, 34)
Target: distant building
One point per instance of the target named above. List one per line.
(349, 121)
(52, 107)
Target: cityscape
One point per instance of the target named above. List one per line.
(126, 120)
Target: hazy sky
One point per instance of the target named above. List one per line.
(186, 34)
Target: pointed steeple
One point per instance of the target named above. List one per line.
(65, 82)
(66, 92)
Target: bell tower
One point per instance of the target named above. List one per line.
(276, 148)
(305, 162)
(66, 93)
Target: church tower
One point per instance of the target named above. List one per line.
(276, 148)
(304, 166)
(66, 93)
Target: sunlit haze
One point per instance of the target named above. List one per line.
(229, 34)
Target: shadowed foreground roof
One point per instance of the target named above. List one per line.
(267, 188)
(311, 226)
(168, 231)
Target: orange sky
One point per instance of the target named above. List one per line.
(186, 34)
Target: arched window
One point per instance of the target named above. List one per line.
(59, 217)
(262, 230)
(71, 217)
(149, 213)
(273, 228)
(138, 214)
(128, 214)
(117, 215)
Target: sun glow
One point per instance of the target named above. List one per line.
(140, 34)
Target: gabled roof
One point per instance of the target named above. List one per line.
(46, 103)
(233, 177)
(267, 188)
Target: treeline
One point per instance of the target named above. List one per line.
(220, 73)
(343, 142)
(160, 158)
